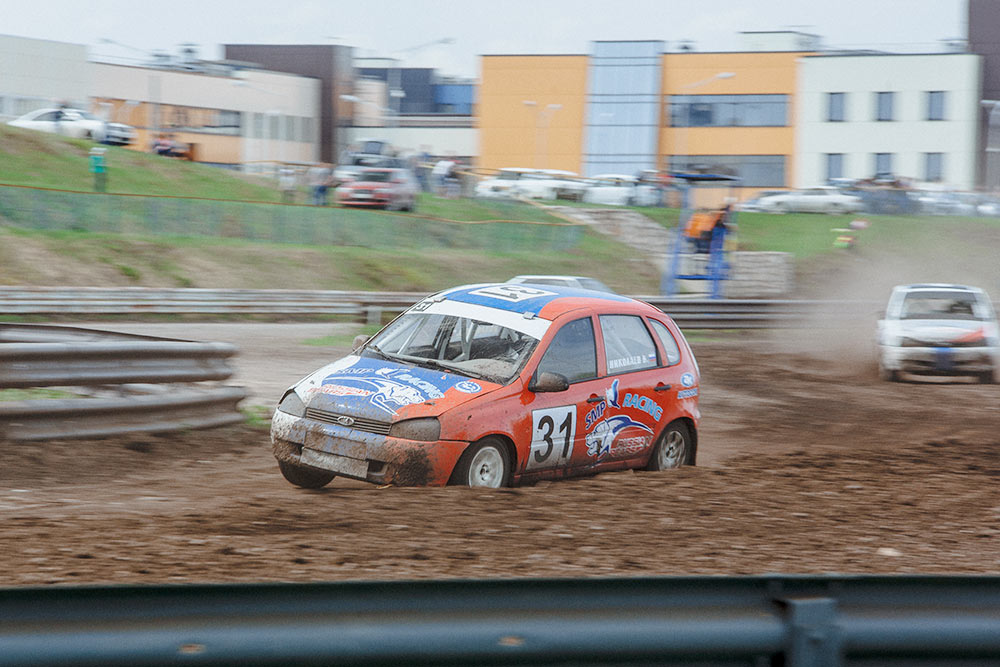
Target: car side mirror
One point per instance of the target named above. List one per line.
(549, 382)
(359, 341)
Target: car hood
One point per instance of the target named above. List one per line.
(941, 331)
(386, 390)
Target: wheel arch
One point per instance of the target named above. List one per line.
(692, 430)
(505, 440)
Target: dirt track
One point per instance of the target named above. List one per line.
(808, 464)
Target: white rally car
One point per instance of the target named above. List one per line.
(939, 329)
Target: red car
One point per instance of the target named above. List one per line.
(496, 385)
(391, 189)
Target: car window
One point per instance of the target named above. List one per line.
(51, 115)
(667, 340)
(376, 176)
(627, 344)
(572, 352)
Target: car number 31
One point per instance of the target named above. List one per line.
(552, 434)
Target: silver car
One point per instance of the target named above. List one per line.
(939, 330)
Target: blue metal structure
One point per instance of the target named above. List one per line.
(717, 266)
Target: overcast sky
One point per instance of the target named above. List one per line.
(384, 27)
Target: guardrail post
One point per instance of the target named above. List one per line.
(813, 636)
(374, 316)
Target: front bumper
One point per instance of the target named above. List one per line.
(938, 360)
(364, 456)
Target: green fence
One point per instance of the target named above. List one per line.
(142, 215)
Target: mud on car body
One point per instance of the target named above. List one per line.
(493, 385)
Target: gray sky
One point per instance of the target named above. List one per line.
(382, 27)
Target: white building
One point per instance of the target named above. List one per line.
(861, 115)
(248, 117)
(37, 73)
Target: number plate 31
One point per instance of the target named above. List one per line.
(552, 434)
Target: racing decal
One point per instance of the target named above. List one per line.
(687, 380)
(552, 433)
(512, 293)
(644, 403)
(388, 386)
(521, 298)
(468, 387)
(602, 440)
(611, 395)
(687, 393)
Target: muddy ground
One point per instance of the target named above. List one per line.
(808, 464)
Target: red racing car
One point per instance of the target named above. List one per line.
(496, 385)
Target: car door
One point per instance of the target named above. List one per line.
(556, 418)
(626, 405)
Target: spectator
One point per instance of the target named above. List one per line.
(439, 174)
(287, 183)
(99, 168)
(319, 178)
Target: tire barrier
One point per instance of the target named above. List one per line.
(110, 384)
(796, 621)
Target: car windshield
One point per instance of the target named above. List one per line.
(940, 306)
(463, 345)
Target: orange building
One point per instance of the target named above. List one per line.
(628, 106)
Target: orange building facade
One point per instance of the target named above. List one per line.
(601, 113)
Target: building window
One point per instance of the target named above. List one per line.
(834, 166)
(835, 107)
(883, 165)
(883, 106)
(935, 105)
(933, 167)
(727, 111)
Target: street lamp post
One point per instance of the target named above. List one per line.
(542, 117)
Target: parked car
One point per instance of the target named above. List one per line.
(620, 190)
(69, 122)
(501, 184)
(391, 189)
(495, 385)
(822, 199)
(549, 184)
(939, 329)
(119, 134)
(581, 282)
(934, 202)
(753, 204)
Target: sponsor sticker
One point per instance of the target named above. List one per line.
(468, 387)
(687, 380)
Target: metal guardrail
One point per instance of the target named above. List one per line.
(148, 380)
(370, 306)
(793, 621)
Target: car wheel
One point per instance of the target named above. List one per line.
(672, 449)
(307, 478)
(986, 377)
(484, 464)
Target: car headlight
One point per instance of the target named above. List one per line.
(424, 429)
(291, 404)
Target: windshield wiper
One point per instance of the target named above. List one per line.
(454, 369)
(377, 350)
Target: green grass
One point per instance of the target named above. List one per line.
(344, 339)
(7, 395)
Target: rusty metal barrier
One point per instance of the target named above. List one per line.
(111, 383)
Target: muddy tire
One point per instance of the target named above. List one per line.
(307, 478)
(484, 464)
(674, 448)
(888, 375)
